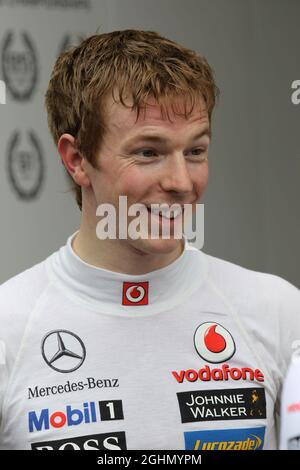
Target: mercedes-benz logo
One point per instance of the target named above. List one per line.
(63, 351)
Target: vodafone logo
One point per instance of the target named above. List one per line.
(214, 343)
(135, 293)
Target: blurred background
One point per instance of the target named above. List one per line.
(252, 202)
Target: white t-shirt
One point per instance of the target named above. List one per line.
(290, 406)
(190, 356)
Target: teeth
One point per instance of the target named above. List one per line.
(166, 213)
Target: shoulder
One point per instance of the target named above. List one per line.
(240, 281)
(24, 285)
(18, 296)
(266, 304)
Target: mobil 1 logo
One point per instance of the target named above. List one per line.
(111, 410)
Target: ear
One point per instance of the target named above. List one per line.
(73, 160)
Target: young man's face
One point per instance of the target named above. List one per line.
(171, 170)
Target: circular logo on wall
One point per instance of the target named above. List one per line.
(63, 351)
(19, 65)
(25, 165)
(214, 343)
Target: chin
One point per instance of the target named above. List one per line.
(159, 246)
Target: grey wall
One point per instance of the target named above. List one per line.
(252, 202)
(33, 228)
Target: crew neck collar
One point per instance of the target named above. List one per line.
(126, 294)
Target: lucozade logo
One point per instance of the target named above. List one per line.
(226, 439)
(214, 343)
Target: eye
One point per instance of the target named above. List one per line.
(198, 152)
(146, 152)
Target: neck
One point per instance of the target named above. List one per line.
(120, 255)
(115, 293)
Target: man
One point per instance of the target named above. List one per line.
(140, 343)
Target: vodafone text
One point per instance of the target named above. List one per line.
(225, 373)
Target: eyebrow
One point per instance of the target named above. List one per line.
(163, 140)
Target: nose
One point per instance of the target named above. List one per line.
(176, 175)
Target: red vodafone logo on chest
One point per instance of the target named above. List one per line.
(135, 293)
(214, 343)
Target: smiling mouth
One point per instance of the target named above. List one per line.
(167, 214)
